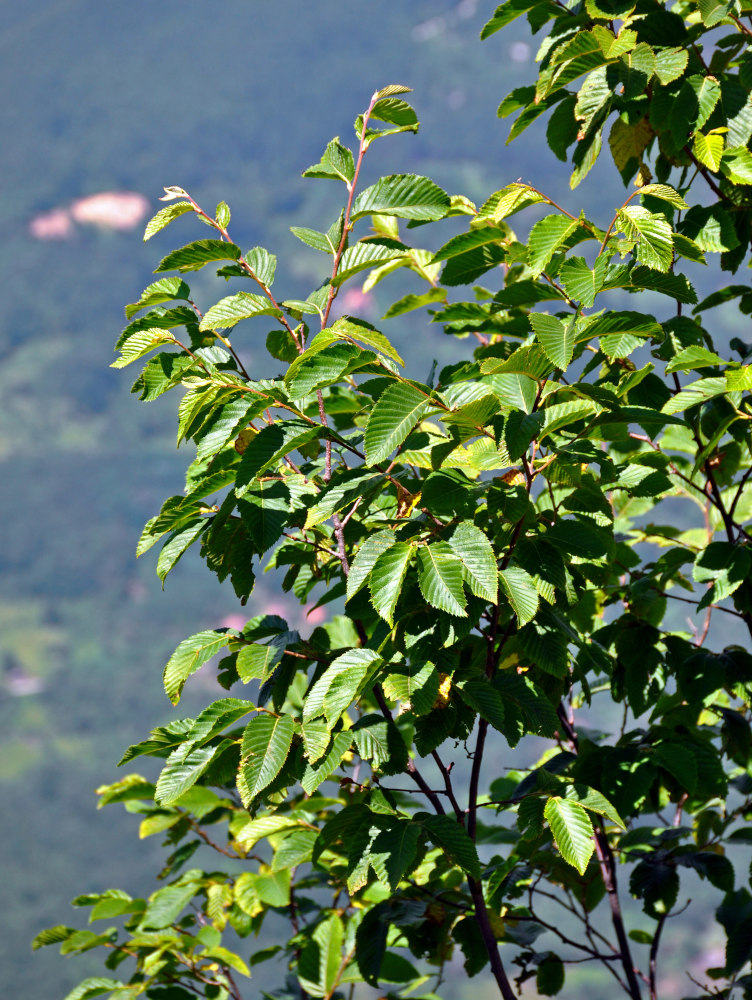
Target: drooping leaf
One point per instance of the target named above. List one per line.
(440, 575)
(473, 548)
(266, 743)
(387, 576)
(572, 831)
(191, 654)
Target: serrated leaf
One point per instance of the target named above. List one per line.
(556, 338)
(313, 238)
(266, 743)
(363, 255)
(351, 329)
(387, 576)
(627, 144)
(391, 89)
(336, 163)
(651, 233)
(470, 241)
(445, 832)
(521, 592)
(670, 64)
(182, 771)
(736, 164)
(474, 549)
(191, 654)
(697, 392)
(230, 310)
(485, 700)
(318, 771)
(709, 149)
(165, 216)
(408, 196)
(546, 236)
(593, 801)
(666, 193)
(399, 408)
(416, 684)
(379, 741)
(572, 831)
(440, 578)
(194, 256)
(335, 690)
(365, 559)
(94, 986)
(693, 357)
(394, 111)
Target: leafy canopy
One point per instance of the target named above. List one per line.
(510, 547)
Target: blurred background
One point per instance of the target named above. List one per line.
(104, 105)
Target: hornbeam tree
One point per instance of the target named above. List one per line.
(530, 554)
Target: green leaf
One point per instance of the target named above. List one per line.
(365, 559)
(416, 684)
(697, 392)
(549, 976)
(736, 164)
(399, 408)
(183, 770)
(692, 358)
(165, 216)
(312, 238)
(353, 330)
(194, 256)
(230, 310)
(94, 986)
(393, 852)
(665, 193)
(166, 905)
(410, 302)
(546, 236)
(164, 290)
(387, 576)
(556, 339)
(408, 196)
(519, 588)
(440, 575)
(362, 256)
(725, 567)
(445, 832)
(191, 654)
(337, 687)
(266, 743)
(593, 801)
(670, 64)
(474, 549)
(336, 163)
(485, 700)
(572, 831)
(394, 111)
(470, 241)
(651, 233)
(321, 959)
(263, 264)
(324, 767)
(370, 942)
(709, 148)
(379, 741)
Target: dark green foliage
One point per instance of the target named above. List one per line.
(500, 539)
